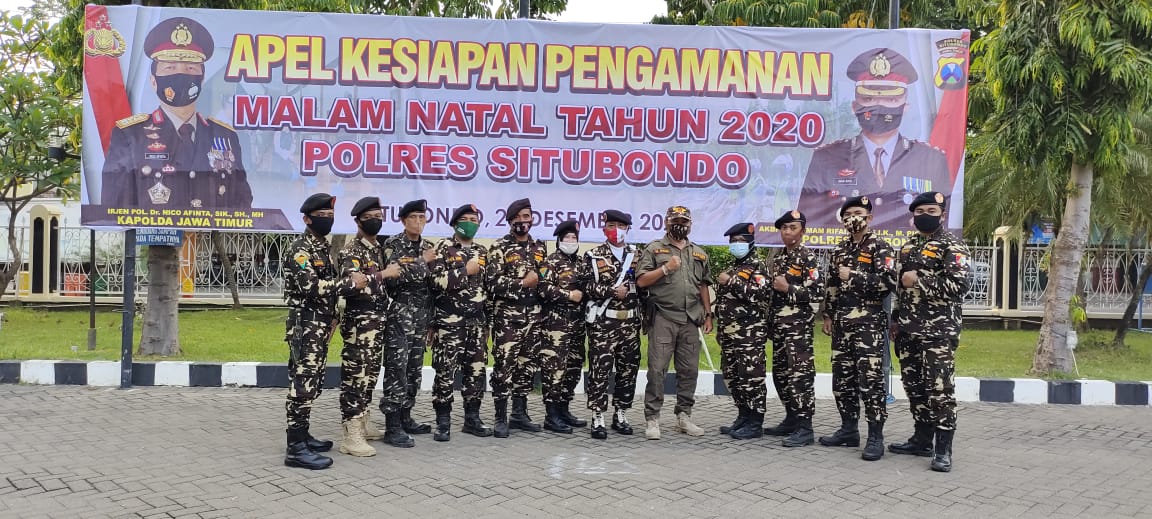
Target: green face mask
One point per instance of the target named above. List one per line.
(467, 229)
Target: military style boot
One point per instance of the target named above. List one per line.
(920, 444)
(874, 449)
(803, 434)
(353, 443)
(848, 435)
(472, 423)
(620, 422)
(553, 421)
(753, 427)
(598, 430)
(684, 424)
(942, 454)
(500, 430)
(371, 432)
(394, 434)
(739, 422)
(568, 417)
(412, 426)
(299, 454)
(785, 427)
(520, 419)
(443, 422)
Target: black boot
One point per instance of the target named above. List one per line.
(298, 454)
(598, 430)
(394, 434)
(500, 430)
(553, 421)
(785, 427)
(568, 417)
(443, 422)
(318, 445)
(520, 419)
(848, 435)
(802, 436)
(920, 444)
(874, 449)
(739, 422)
(620, 423)
(410, 425)
(942, 454)
(472, 423)
(753, 427)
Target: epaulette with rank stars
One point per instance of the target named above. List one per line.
(129, 121)
(221, 123)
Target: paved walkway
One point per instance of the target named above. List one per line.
(157, 452)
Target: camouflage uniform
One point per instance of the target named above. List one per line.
(459, 322)
(856, 308)
(742, 331)
(311, 287)
(791, 317)
(928, 320)
(516, 315)
(362, 327)
(614, 335)
(407, 329)
(562, 352)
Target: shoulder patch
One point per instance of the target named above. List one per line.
(700, 256)
(222, 123)
(129, 121)
(301, 258)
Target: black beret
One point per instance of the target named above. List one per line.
(875, 68)
(856, 201)
(365, 204)
(741, 229)
(463, 210)
(789, 217)
(515, 207)
(931, 197)
(179, 39)
(415, 206)
(613, 215)
(318, 201)
(566, 227)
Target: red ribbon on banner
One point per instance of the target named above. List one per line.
(951, 126)
(103, 47)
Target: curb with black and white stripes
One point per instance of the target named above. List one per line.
(260, 374)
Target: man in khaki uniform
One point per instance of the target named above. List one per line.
(675, 273)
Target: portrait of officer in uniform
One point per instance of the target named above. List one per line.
(879, 162)
(175, 157)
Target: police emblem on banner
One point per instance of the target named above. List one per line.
(951, 73)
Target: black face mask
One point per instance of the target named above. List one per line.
(678, 231)
(321, 225)
(879, 119)
(521, 228)
(179, 89)
(372, 226)
(927, 223)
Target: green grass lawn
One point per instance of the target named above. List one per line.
(258, 335)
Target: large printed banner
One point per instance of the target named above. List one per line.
(213, 119)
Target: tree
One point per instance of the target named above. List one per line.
(32, 114)
(1064, 77)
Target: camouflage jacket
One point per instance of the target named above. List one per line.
(861, 297)
(459, 298)
(802, 271)
(604, 269)
(412, 291)
(740, 303)
(310, 279)
(561, 274)
(360, 255)
(931, 309)
(508, 262)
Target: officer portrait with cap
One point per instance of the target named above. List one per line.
(879, 162)
(175, 157)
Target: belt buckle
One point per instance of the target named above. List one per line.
(621, 315)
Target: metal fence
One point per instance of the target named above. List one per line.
(1004, 276)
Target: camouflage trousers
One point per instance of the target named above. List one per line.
(562, 356)
(516, 345)
(927, 370)
(405, 340)
(613, 356)
(461, 350)
(307, 337)
(743, 364)
(363, 334)
(858, 369)
(794, 370)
